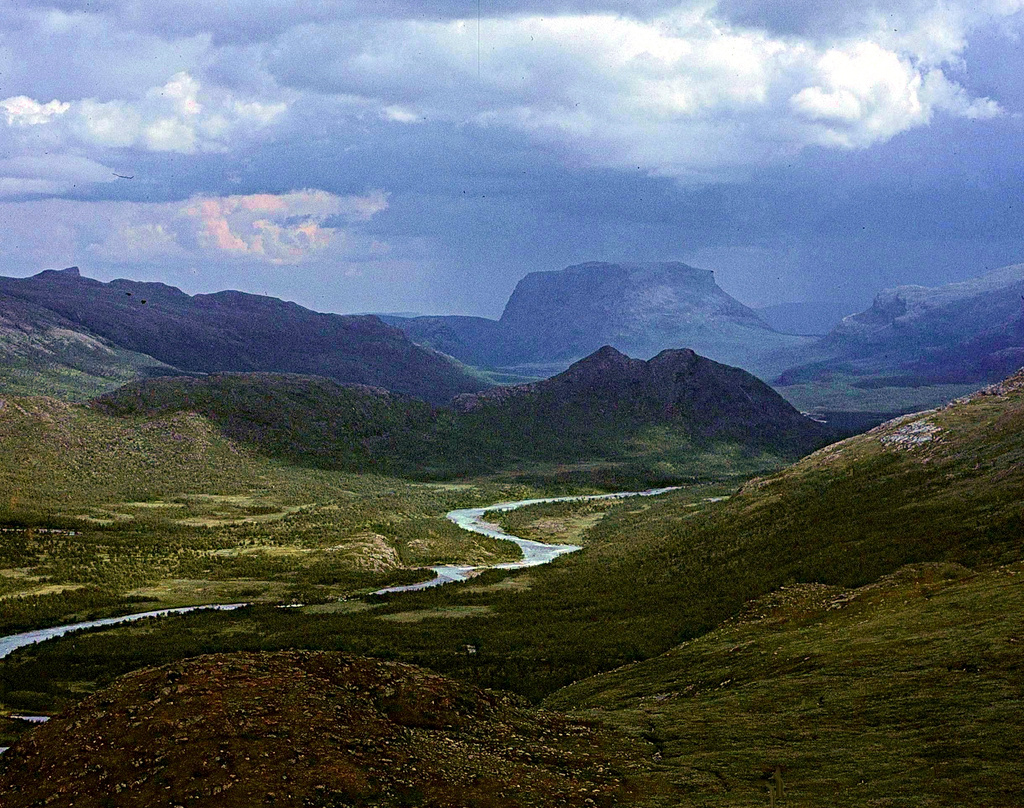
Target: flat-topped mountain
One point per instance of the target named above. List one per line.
(638, 308)
(554, 318)
(965, 332)
(235, 331)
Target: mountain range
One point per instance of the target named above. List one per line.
(235, 331)
(604, 406)
(960, 333)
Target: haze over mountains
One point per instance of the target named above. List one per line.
(912, 335)
(76, 337)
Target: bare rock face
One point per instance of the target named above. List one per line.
(312, 729)
(637, 308)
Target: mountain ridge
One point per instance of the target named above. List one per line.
(601, 407)
(966, 332)
(238, 331)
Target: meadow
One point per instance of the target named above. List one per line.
(732, 628)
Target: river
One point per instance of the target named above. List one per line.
(534, 554)
(9, 645)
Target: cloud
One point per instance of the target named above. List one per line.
(241, 233)
(179, 116)
(23, 111)
(700, 90)
(49, 174)
(685, 94)
(279, 229)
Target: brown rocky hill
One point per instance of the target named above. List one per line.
(313, 729)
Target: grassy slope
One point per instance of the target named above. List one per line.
(902, 692)
(99, 509)
(658, 572)
(317, 422)
(41, 353)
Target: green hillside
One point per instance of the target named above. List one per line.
(883, 571)
(902, 692)
(109, 513)
(608, 421)
(42, 353)
(942, 487)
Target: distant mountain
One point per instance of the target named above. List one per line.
(235, 331)
(607, 406)
(555, 318)
(474, 340)
(960, 333)
(43, 353)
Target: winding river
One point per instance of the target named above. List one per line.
(534, 554)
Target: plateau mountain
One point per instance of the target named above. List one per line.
(555, 318)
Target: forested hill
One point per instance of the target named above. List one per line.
(671, 409)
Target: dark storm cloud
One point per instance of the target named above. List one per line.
(416, 156)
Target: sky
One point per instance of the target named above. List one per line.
(425, 156)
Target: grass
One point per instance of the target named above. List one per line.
(902, 692)
(653, 572)
(103, 515)
(852, 622)
(845, 393)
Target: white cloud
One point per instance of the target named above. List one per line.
(178, 116)
(23, 111)
(698, 89)
(684, 94)
(243, 232)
